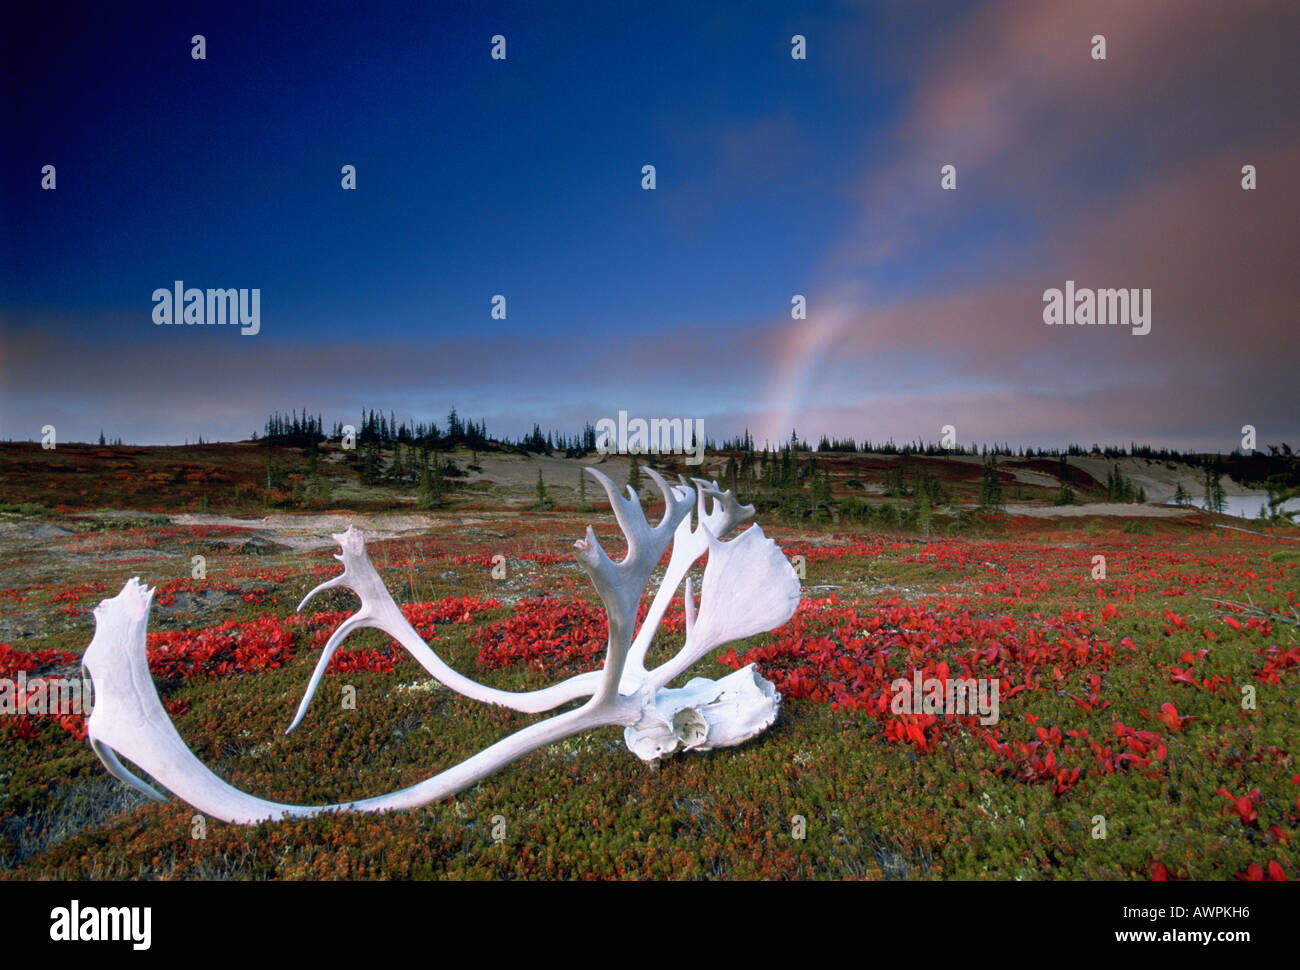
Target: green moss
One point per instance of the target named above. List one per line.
(872, 808)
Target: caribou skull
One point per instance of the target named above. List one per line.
(748, 588)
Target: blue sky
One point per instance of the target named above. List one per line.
(475, 176)
(522, 177)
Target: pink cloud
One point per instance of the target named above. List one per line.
(1038, 128)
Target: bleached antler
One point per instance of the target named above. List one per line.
(378, 610)
(748, 588)
(688, 545)
(622, 584)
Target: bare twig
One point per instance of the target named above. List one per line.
(1252, 532)
(1258, 612)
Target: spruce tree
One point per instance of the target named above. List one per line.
(923, 514)
(1214, 494)
(1218, 495)
(991, 487)
(431, 483)
(895, 483)
(821, 489)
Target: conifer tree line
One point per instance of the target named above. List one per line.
(794, 486)
(793, 480)
(385, 429)
(299, 428)
(829, 445)
(293, 429)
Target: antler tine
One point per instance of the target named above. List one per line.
(621, 585)
(620, 599)
(356, 621)
(592, 555)
(627, 512)
(345, 578)
(690, 543)
(727, 512)
(676, 507)
(379, 611)
(712, 525)
(688, 605)
(645, 543)
(702, 494)
(670, 497)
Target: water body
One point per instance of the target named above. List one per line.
(1248, 506)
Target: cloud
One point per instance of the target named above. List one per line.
(927, 311)
(1123, 172)
(167, 384)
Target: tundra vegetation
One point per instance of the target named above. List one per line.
(1147, 729)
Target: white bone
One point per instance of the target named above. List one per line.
(688, 545)
(705, 714)
(748, 588)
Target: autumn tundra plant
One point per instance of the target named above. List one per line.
(748, 588)
(20, 696)
(946, 695)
